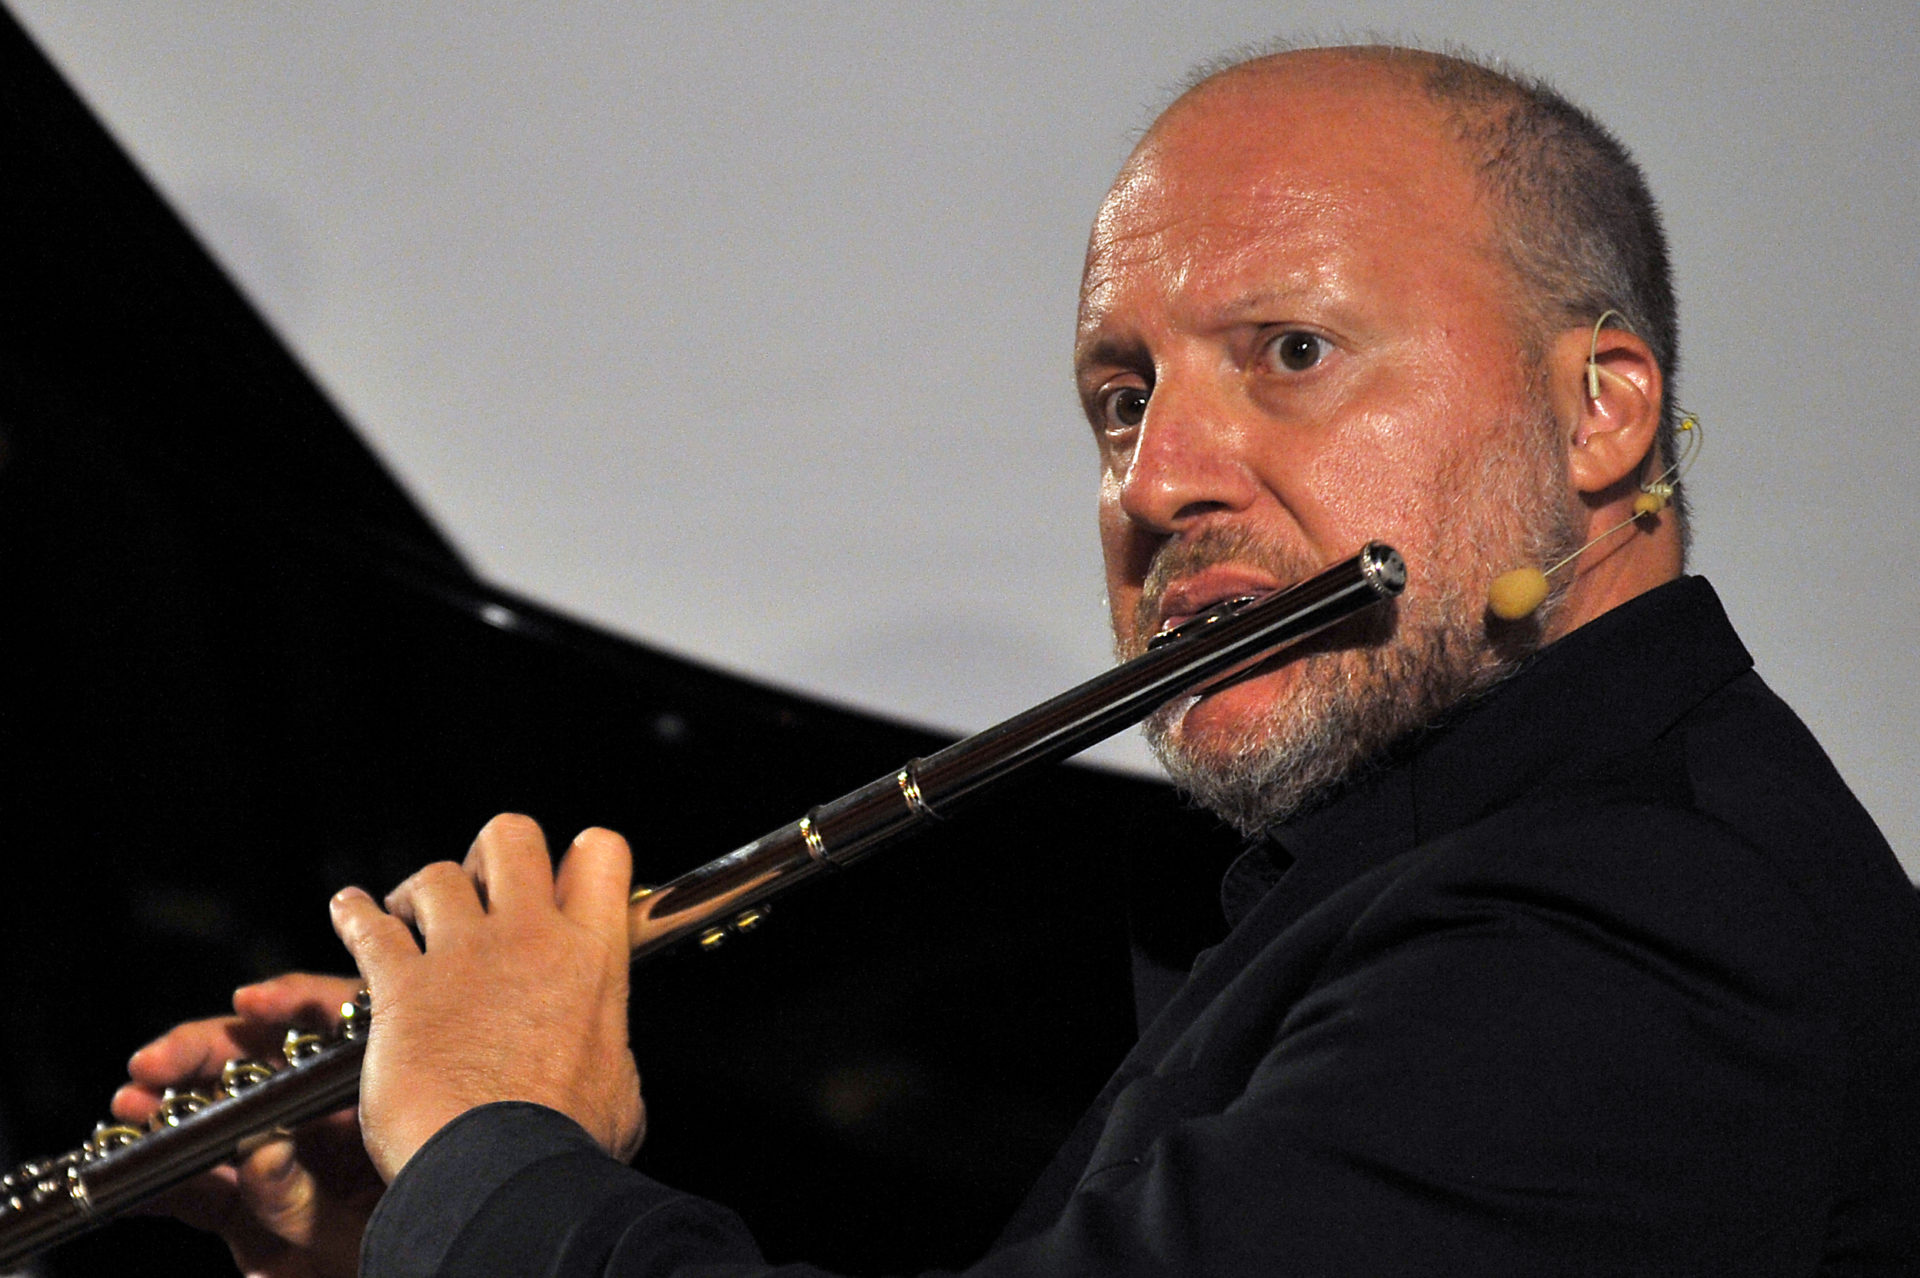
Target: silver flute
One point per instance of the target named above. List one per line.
(47, 1202)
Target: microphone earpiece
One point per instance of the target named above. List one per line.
(1593, 350)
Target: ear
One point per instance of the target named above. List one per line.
(1610, 412)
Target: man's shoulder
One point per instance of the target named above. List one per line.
(1752, 762)
(1610, 853)
(1729, 803)
(1609, 874)
(1754, 868)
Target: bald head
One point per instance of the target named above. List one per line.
(1335, 131)
(1310, 148)
(1378, 72)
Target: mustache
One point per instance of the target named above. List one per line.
(1182, 557)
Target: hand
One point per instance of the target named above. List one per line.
(515, 990)
(294, 1207)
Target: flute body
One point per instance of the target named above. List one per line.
(47, 1202)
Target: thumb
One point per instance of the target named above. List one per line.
(285, 1207)
(277, 1190)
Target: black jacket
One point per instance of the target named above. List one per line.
(1610, 975)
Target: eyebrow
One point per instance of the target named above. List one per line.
(1123, 351)
(1108, 351)
(1264, 299)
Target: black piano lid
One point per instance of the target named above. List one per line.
(241, 668)
(114, 305)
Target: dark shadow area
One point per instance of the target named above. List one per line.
(241, 669)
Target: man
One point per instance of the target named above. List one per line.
(1560, 947)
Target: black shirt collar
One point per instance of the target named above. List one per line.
(1617, 682)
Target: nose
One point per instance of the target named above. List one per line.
(1188, 462)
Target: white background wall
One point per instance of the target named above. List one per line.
(743, 328)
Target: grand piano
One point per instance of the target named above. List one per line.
(241, 669)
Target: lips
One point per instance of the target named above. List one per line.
(1188, 597)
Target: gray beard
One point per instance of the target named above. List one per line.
(1357, 703)
(1390, 674)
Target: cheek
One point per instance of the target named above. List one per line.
(1126, 549)
(1374, 482)
(1126, 555)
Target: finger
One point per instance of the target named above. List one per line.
(379, 942)
(510, 860)
(289, 1204)
(194, 1050)
(596, 877)
(437, 897)
(197, 1050)
(274, 1206)
(277, 1189)
(304, 998)
(135, 1103)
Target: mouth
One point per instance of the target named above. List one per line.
(1205, 595)
(1199, 621)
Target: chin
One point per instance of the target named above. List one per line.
(1259, 751)
(1221, 723)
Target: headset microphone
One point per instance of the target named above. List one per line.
(1516, 594)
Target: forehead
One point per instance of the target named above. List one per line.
(1286, 182)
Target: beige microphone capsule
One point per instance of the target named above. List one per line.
(1515, 594)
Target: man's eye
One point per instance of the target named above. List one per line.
(1123, 408)
(1297, 351)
